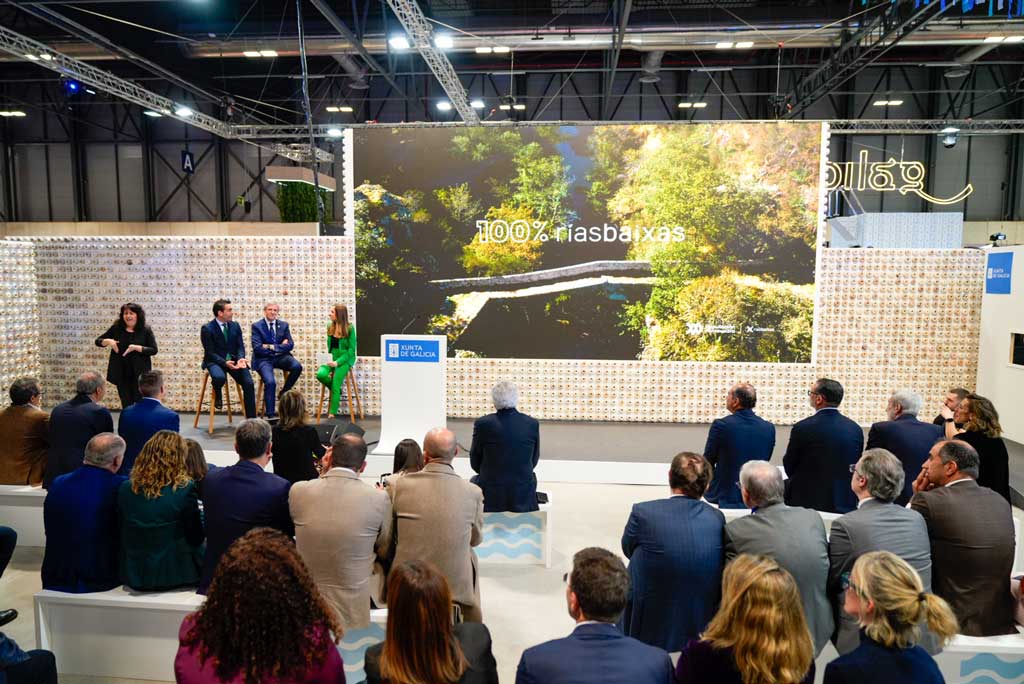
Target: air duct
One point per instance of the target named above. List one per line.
(356, 74)
(651, 65)
(966, 58)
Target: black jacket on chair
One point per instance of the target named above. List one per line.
(818, 457)
(505, 450)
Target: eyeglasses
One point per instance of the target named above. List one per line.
(811, 393)
(853, 469)
(847, 584)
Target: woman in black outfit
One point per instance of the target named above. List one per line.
(132, 346)
(296, 445)
(981, 430)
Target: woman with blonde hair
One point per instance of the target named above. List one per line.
(759, 634)
(295, 443)
(161, 528)
(341, 344)
(888, 599)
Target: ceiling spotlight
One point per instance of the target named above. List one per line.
(700, 105)
(724, 45)
(444, 42)
(484, 49)
(71, 86)
(745, 44)
(399, 42)
(150, 112)
(895, 103)
(17, 113)
(334, 132)
(90, 91)
(994, 39)
(251, 53)
(519, 106)
(502, 49)
(345, 109)
(444, 106)
(504, 107)
(685, 105)
(183, 111)
(46, 57)
(477, 104)
(950, 129)
(268, 53)
(1014, 39)
(950, 139)
(332, 109)
(32, 58)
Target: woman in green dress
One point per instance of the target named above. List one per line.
(341, 343)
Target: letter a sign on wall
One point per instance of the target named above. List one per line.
(188, 162)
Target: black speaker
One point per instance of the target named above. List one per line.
(326, 430)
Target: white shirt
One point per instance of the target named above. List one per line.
(865, 499)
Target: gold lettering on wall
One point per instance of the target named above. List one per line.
(880, 177)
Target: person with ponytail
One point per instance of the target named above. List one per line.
(888, 599)
(759, 634)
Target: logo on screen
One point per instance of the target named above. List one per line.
(393, 350)
(413, 351)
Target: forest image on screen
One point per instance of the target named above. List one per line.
(654, 242)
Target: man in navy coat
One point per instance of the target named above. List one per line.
(73, 424)
(243, 496)
(672, 543)
(734, 440)
(505, 450)
(272, 346)
(145, 418)
(906, 437)
(224, 354)
(596, 652)
(820, 452)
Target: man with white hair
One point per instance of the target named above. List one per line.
(906, 437)
(74, 423)
(505, 450)
(272, 346)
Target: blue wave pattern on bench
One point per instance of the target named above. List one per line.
(353, 650)
(991, 669)
(512, 536)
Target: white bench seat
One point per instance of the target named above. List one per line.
(21, 509)
(517, 538)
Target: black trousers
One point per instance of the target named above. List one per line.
(129, 393)
(40, 668)
(8, 540)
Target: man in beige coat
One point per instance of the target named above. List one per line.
(342, 527)
(439, 517)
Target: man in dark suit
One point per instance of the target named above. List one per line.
(734, 440)
(505, 450)
(224, 354)
(671, 543)
(81, 521)
(272, 346)
(953, 398)
(820, 452)
(972, 538)
(243, 496)
(25, 429)
(877, 524)
(142, 420)
(74, 423)
(794, 537)
(906, 437)
(596, 652)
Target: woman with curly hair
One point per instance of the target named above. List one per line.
(263, 622)
(161, 528)
(888, 599)
(981, 429)
(758, 636)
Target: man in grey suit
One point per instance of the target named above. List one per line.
(793, 536)
(342, 527)
(439, 517)
(877, 524)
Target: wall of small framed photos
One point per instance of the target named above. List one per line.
(19, 331)
(886, 319)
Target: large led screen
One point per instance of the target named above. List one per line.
(660, 242)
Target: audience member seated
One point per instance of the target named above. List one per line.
(877, 525)
(672, 543)
(408, 459)
(906, 437)
(342, 526)
(421, 645)
(759, 634)
(20, 667)
(24, 426)
(264, 621)
(794, 537)
(8, 542)
(73, 424)
(439, 518)
(972, 539)
(505, 450)
(81, 521)
(297, 447)
(161, 528)
(596, 652)
(949, 404)
(981, 430)
(243, 496)
(195, 462)
(886, 597)
(820, 452)
(732, 441)
(142, 420)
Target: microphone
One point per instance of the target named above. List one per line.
(411, 321)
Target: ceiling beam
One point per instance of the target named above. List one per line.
(624, 7)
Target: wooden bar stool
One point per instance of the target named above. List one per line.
(213, 406)
(260, 408)
(351, 389)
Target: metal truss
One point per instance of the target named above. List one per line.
(422, 36)
(876, 36)
(925, 126)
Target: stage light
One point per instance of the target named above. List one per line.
(16, 113)
(46, 57)
(32, 58)
(745, 44)
(444, 106)
(251, 53)
(332, 109)
(950, 129)
(519, 106)
(895, 103)
(724, 45)
(183, 111)
(334, 132)
(504, 107)
(150, 112)
(477, 104)
(345, 109)
(685, 105)
(950, 136)
(399, 42)
(484, 50)
(502, 49)
(90, 91)
(1014, 39)
(71, 86)
(268, 53)
(700, 105)
(994, 39)
(444, 42)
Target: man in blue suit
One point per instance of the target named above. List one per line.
(672, 543)
(505, 450)
(596, 652)
(224, 354)
(906, 437)
(272, 346)
(734, 440)
(145, 418)
(243, 496)
(81, 521)
(820, 452)
(73, 424)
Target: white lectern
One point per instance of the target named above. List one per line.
(412, 388)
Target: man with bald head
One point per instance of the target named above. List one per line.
(732, 441)
(439, 517)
